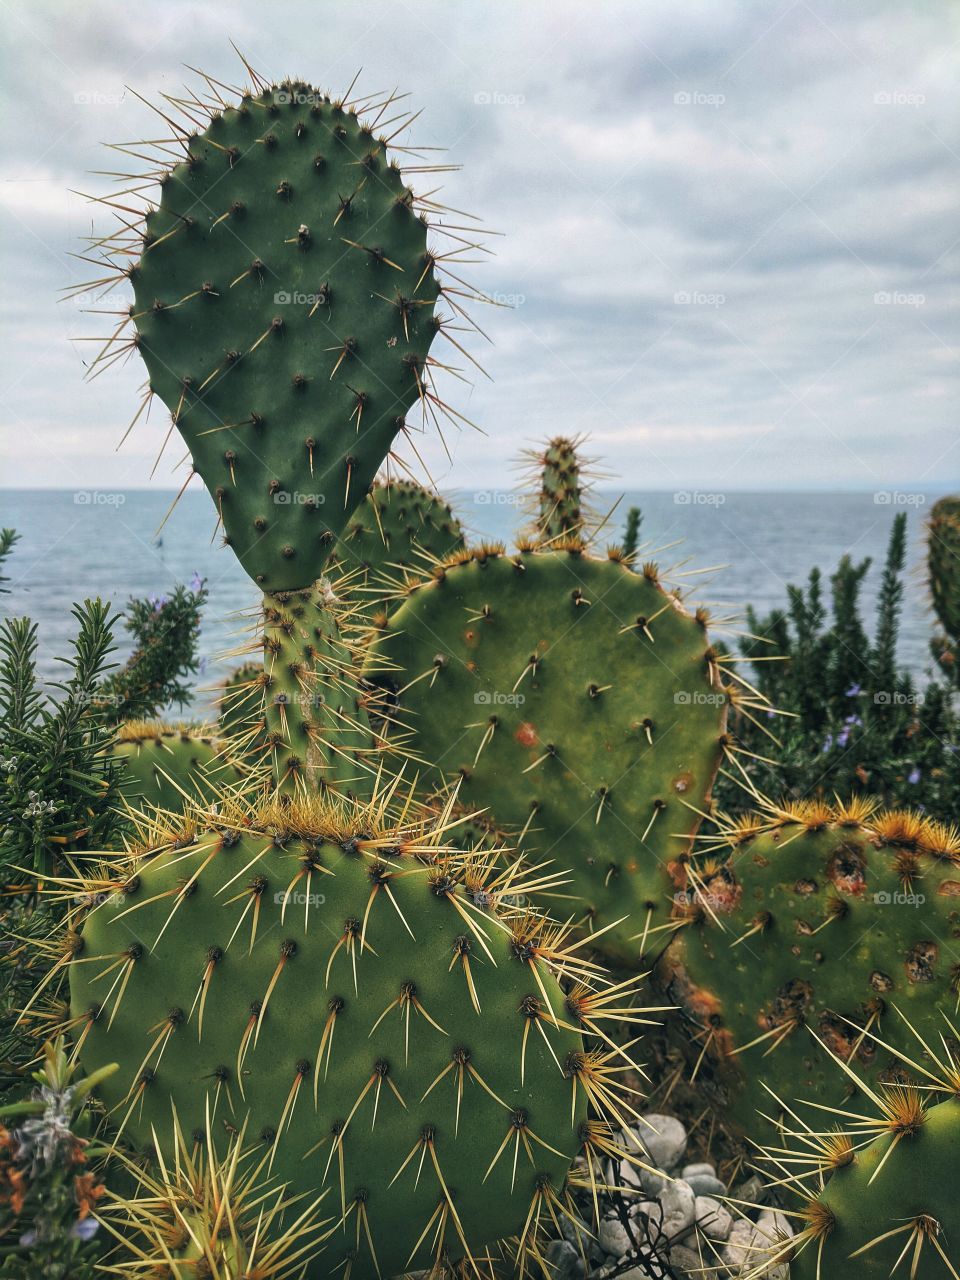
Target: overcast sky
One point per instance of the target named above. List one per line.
(730, 229)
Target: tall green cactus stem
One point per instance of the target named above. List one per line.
(821, 917)
(556, 472)
(172, 766)
(393, 538)
(943, 576)
(352, 994)
(579, 705)
(314, 724)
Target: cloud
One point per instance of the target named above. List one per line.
(703, 205)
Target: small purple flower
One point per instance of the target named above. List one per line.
(853, 720)
(828, 743)
(853, 691)
(196, 582)
(156, 602)
(843, 737)
(85, 1229)
(913, 777)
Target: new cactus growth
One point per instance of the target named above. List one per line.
(361, 1000)
(821, 917)
(168, 766)
(581, 706)
(395, 536)
(557, 474)
(943, 576)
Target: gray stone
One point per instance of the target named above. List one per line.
(653, 1183)
(614, 1239)
(692, 1170)
(752, 1190)
(565, 1261)
(713, 1218)
(678, 1204)
(665, 1139)
(630, 1175)
(686, 1262)
(743, 1252)
(705, 1184)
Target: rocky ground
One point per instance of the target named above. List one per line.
(680, 1221)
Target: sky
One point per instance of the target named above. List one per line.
(724, 235)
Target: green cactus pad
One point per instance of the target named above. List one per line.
(240, 704)
(352, 994)
(170, 765)
(284, 307)
(820, 919)
(868, 1218)
(394, 537)
(581, 707)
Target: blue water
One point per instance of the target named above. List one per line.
(106, 546)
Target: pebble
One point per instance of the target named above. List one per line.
(694, 1170)
(677, 1202)
(742, 1252)
(714, 1219)
(706, 1184)
(665, 1139)
(614, 1239)
(688, 1263)
(565, 1261)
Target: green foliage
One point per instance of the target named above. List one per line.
(537, 681)
(356, 997)
(943, 577)
(165, 630)
(8, 537)
(50, 1182)
(856, 723)
(58, 788)
(819, 918)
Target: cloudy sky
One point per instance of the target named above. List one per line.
(728, 230)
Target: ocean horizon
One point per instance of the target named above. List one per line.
(76, 544)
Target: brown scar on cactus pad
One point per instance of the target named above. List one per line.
(813, 916)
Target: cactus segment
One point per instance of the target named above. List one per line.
(821, 917)
(353, 995)
(394, 538)
(580, 706)
(170, 766)
(557, 474)
(943, 576)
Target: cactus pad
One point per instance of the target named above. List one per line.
(351, 994)
(821, 918)
(172, 765)
(580, 705)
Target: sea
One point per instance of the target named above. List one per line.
(81, 544)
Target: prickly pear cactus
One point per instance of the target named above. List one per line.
(557, 475)
(893, 1200)
(284, 306)
(171, 766)
(943, 575)
(581, 708)
(240, 703)
(352, 995)
(394, 537)
(820, 919)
